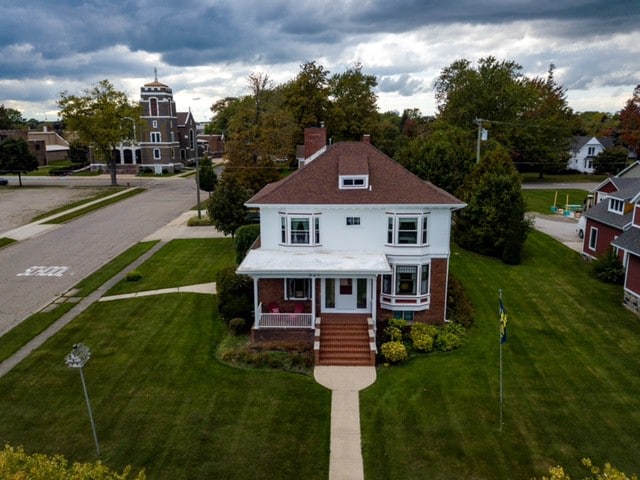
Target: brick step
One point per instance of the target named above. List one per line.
(352, 338)
(345, 358)
(351, 347)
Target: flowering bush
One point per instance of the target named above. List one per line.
(393, 334)
(422, 336)
(394, 352)
(449, 337)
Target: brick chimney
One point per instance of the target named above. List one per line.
(366, 138)
(314, 139)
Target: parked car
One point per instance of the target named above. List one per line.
(4, 181)
(582, 222)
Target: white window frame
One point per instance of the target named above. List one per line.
(591, 151)
(593, 238)
(291, 285)
(348, 182)
(391, 282)
(156, 137)
(287, 231)
(156, 154)
(422, 229)
(616, 206)
(353, 221)
(154, 123)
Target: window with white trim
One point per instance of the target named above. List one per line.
(353, 221)
(615, 205)
(354, 181)
(407, 229)
(593, 238)
(156, 154)
(156, 137)
(591, 151)
(405, 279)
(297, 288)
(300, 229)
(154, 123)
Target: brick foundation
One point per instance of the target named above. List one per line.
(303, 335)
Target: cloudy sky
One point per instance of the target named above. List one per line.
(205, 49)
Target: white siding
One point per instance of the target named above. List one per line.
(370, 235)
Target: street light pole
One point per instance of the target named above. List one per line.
(78, 357)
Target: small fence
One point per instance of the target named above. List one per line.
(283, 320)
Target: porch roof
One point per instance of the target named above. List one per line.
(261, 262)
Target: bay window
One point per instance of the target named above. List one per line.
(407, 280)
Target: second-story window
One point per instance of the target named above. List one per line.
(616, 206)
(153, 107)
(155, 137)
(296, 229)
(407, 229)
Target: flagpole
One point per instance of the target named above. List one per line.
(500, 341)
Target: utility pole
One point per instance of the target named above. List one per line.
(482, 135)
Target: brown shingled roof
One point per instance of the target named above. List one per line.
(317, 182)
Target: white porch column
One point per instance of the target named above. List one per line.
(374, 304)
(313, 302)
(256, 303)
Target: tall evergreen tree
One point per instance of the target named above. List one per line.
(494, 218)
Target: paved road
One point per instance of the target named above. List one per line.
(28, 279)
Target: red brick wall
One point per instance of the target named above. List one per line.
(438, 290)
(305, 335)
(272, 290)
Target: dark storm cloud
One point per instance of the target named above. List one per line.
(73, 40)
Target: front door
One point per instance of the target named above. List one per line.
(345, 294)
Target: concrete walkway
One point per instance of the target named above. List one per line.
(345, 461)
(208, 288)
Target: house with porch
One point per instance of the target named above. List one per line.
(349, 240)
(613, 211)
(628, 245)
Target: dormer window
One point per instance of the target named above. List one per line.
(616, 206)
(353, 181)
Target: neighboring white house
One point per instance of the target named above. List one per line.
(351, 233)
(584, 150)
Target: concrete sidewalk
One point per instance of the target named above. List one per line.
(207, 288)
(345, 461)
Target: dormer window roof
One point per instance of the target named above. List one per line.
(354, 181)
(616, 205)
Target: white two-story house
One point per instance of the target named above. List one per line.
(352, 235)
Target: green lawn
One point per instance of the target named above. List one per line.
(163, 402)
(541, 200)
(532, 177)
(181, 263)
(570, 380)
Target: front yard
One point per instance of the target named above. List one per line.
(162, 401)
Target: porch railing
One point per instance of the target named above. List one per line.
(283, 320)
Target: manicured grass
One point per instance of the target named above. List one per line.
(103, 193)
(99, 277)
(18, 336)
(532, 177)
(96, 206)
(163, 402)
(541, 200)
(22, 333)
(571, 387)
(180, 263)
(4, 241)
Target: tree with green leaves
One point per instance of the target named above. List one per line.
(307, 97)
(207, 176)
(443, 157)
(11, 119)
(630, 122)
(494, 217)
(354, 110)
(98, 118)
(223, 110)
(226, 206)
(611, 160)
(261, 132)
(16, 157)
(530, 117)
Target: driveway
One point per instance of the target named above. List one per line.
(561, 228)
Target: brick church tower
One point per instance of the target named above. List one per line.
(159, 142)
